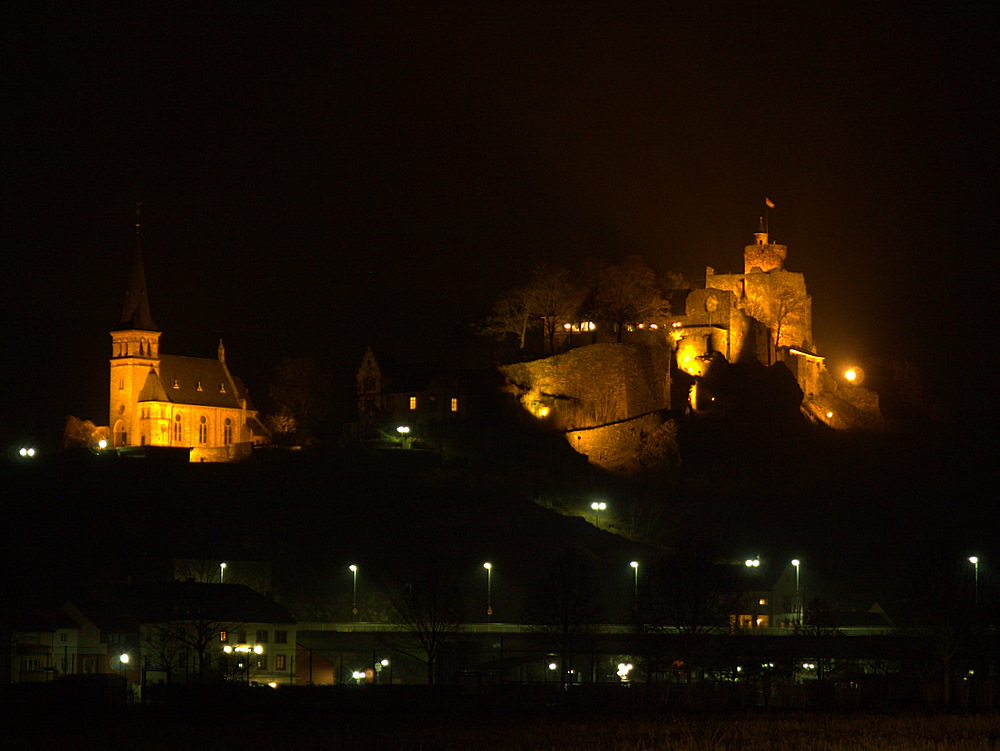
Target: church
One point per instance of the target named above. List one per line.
(176, 401)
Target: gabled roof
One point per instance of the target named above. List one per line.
(195, 381)
(168, 601)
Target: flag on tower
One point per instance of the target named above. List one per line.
(768, 202)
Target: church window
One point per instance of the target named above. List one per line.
(121, 384)
(177, 428)
(203, 430)
(413, 402)
(454, 404)
(227, 433)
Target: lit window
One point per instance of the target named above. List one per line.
(262, 662)
(223, 636)
(177, 428)
(413, 402)
(279, 662)
(176, 385)
(203, 430)
(454, 404)
(762, 601)
(227, 432)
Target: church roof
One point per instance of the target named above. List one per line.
(135, 311)
(196, 381)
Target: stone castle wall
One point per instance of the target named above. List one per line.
(594, 385)
(618, 447)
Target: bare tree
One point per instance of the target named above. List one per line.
(563, 606)
(512, 314)
(695, 595)
(83, 433)
(301, 392)
(628, 294)
(554, 296)
(430, 610)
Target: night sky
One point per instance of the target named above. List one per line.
(315, 182)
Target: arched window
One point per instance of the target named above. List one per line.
(203, 430)
(178, 433)
(120, 434)
(227, 432)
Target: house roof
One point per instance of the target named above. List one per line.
(161, 601)
(197, 381)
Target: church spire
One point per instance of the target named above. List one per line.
(135, 312)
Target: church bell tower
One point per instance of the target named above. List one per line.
(135, 350)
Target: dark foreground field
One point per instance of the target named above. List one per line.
(247, 731)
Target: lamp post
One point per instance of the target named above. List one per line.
(635, 590)
(974, 560)
(354, 604)
(598, 507)
(222, 572)
(798, 596)
(489, 585)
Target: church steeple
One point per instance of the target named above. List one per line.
(135, 312)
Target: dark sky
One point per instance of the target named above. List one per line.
(314, 182)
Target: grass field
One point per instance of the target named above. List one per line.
(294, 731)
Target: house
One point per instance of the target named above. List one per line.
(407, 405)
(160, 632)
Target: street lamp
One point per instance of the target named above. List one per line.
(222, 572)
(489, 585)
(354, 606)
(798, 597)
(974, 560)
(635, 591)
(598, 507)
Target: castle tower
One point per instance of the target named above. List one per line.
(135, 349)
(763, 255)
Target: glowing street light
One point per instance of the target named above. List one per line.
(798, 596)
(489, 585)
(598, 507)
(974, 560)
(752, 563)
(222, 572)
(635, 591)
(850, 374)
(354, 606)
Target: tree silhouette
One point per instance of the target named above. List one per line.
(628, 294)
(430, 610)
(563, 606)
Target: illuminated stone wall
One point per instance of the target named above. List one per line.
(593, 385)
(776, 298)
(619, 447)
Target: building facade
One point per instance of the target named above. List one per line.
(173, 400)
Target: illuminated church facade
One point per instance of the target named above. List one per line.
(176, 401)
